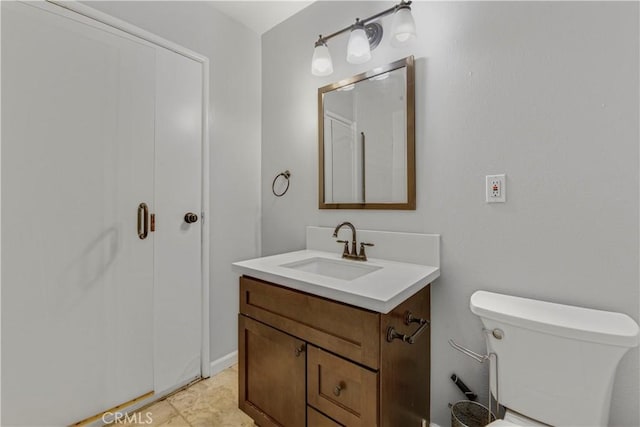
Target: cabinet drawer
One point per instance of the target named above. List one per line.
(317, 419)
(343, 390)
(340, 328)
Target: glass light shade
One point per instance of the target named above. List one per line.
(321, 64)
(358, 50)
(404, 27)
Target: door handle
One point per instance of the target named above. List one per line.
(190, 217)
(143, 221)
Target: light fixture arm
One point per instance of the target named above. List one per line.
(364, 21)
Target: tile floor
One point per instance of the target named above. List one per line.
(209, 403)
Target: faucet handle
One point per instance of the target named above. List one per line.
(363, 255)
(346, 246)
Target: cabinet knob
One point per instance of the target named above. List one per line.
(299, 350)
(338, 389)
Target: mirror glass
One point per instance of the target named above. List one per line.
(367, 140)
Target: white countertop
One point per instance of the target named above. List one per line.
(381, 290)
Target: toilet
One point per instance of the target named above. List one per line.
(555, 363)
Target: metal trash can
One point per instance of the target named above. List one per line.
(466, 413)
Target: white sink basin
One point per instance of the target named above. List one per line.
(338, 269)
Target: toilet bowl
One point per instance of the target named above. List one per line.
(548, 354)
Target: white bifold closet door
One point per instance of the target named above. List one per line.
(178, 244)
(95, 122)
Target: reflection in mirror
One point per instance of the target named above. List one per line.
(367, 140)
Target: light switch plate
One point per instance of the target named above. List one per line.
(496, 188)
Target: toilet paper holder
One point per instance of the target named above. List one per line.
(481, 358)
(467, 352)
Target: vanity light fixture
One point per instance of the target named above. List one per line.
(321, 64)
(404, 27)
(365, 35)
(358, 49)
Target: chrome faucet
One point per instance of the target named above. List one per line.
(353, 254)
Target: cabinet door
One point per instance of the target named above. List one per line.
(272, 369)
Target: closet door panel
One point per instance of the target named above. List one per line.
(77, 159)
(178, 292)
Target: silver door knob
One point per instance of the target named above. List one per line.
(190, 217)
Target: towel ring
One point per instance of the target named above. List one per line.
(286, 174)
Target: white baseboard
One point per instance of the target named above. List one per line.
(224, 362)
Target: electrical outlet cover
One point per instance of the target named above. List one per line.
(496, 188)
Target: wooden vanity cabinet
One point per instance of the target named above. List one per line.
(310, 361)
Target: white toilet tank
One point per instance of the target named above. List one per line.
(556, 363)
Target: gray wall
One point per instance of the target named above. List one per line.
(545, 92)
(234, 136)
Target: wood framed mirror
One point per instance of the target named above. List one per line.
(366, 143)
